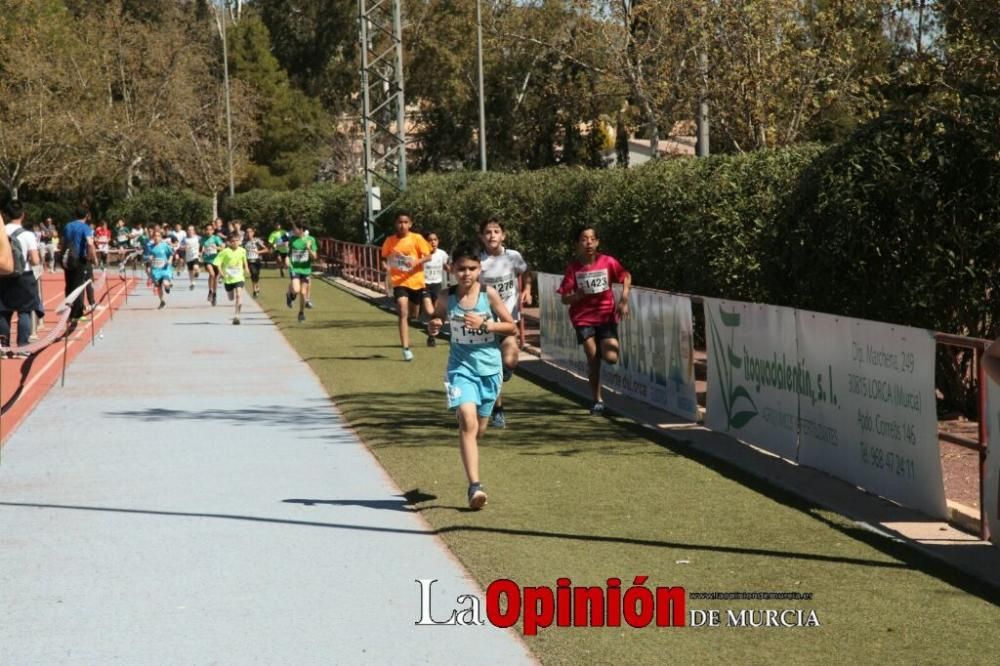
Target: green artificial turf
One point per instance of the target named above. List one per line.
(592, 498)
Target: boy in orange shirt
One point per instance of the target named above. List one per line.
(405, 255)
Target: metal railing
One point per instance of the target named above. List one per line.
(980, 444)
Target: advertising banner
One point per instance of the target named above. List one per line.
(657, 354)
(867, 407)
(754, 378)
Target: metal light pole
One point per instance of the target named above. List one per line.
(225, 78)
(482, 103)
(701, 143)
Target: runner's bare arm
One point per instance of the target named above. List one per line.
(440, 310)
(6, 256)
(623, 301)
(506, 325)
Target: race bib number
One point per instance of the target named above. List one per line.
(159, 262)
(103, 247)
(593, 282)
(461, 334)
(300, 256)
(123, 238)
(252, 254)
(234, 271)
(432, 274)
(401, 263)
(504, 285)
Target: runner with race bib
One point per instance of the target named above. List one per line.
(302, 251)
(434, 272)
(586, 288)
(501, 269)
(255, 247)
(231, 263)
(210, 248)
(472, 380)
(160, 270)
(405, 254)
(278, 240)
(192, 251)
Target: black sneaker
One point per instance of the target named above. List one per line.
(302, 316)
(498, 419)
(477, 496)
(215, 297)
(309, 305)
(431, 342)
(289, 299)
(597, 408)
(507, 374)
(163, 304)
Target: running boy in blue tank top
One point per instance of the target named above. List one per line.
(477, 316)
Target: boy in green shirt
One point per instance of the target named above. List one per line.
(278, 240)
(231, 263)
(301, 253)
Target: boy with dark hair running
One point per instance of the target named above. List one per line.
(472, 381)
(161, 272)
(232, 264)
(254, 247)
(434, 272)
(211, 245)
(586, 288)
(302, 251)
(192, 252)
(501, 269)
(278, 240)
(405, 254)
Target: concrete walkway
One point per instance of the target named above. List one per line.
(192, 496)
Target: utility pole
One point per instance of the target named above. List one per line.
(701, 144)
(225, 77)
(381, 39)
(482, 102)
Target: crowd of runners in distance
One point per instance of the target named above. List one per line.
(228, 253)
(491, 283)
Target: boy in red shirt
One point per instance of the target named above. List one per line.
(586, 288)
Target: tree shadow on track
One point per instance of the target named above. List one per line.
(302, 417)
(384, 504)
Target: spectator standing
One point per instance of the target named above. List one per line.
(19, 291)
(47, 250)
(79, 256)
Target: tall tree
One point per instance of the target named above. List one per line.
(293, 127)
(34, 133)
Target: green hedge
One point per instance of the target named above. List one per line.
(900, 223)
(163, 206)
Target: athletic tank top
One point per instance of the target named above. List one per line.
(474, 351)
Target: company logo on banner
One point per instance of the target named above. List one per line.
(752, 386)
(991, 484)
(657, 356)
(853, 398)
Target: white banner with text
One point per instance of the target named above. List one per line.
(657, 354)
(871, 417)
(753, 381)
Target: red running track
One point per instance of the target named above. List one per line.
(24, 382)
